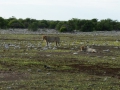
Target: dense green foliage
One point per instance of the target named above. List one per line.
(70, 25)
(15, 24)
(33, 26)
(63, 29)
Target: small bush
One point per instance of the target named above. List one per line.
(63, 29)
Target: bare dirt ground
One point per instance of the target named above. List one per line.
(12, 76)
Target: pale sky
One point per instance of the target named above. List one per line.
(60, 9)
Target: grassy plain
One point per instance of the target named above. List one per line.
(29, 65)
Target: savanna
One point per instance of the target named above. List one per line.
(26, 63)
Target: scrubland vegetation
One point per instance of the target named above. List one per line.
(71, 25)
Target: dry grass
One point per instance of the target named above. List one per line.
(34, 66)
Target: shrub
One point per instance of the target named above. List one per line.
(33, 26)
(63, 29)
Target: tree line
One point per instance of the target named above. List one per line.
(71, 25)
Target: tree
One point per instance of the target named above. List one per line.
(88, 26)
(52, 24)
(59, 24)
(94, 21)
(117, 26)
(105, 24)
(33, 26)
(3, 23)
(15, 24)
(63, 29)
(45, 23)
(26, 22)
(71, 25)
(22, 22)
(41, 25)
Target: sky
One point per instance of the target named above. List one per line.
(60, 9)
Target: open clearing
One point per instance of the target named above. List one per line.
(27, 64)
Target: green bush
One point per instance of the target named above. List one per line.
(63, 29)
(33, 26)
(15, 24)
